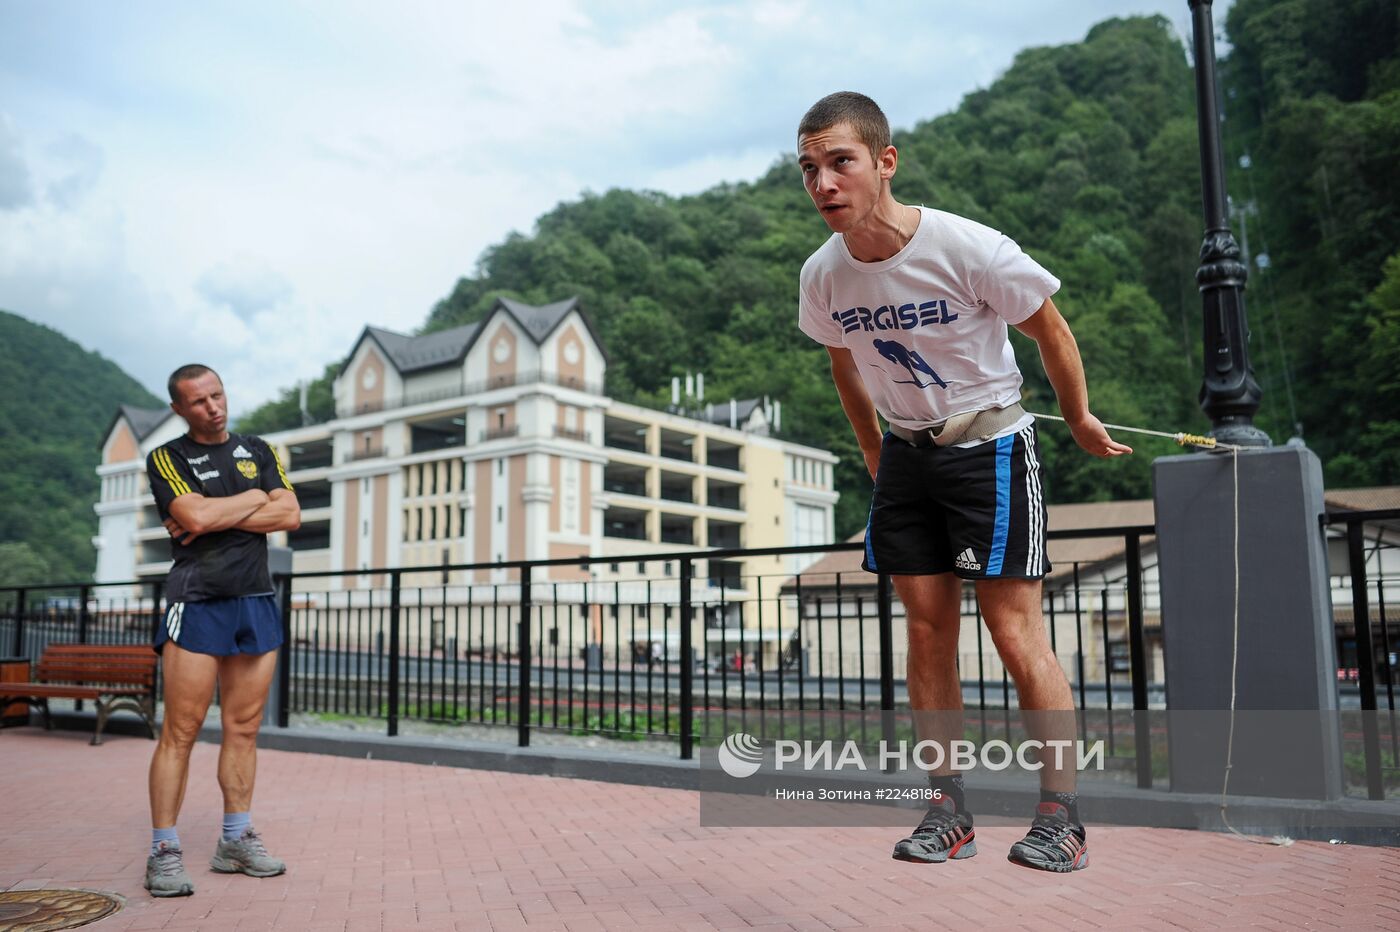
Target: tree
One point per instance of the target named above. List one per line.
(21, 566)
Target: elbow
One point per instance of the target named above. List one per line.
(293, 520)
(195, 524)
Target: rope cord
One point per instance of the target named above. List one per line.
(1185, 439)
(1234, 670)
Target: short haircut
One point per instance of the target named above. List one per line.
(858, 111)
(183, 374)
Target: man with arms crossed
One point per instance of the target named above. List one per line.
(912, 305)
(219, 495)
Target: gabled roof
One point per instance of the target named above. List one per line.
(410, 354)
(143, 421)
(428, 351)
(540, 322)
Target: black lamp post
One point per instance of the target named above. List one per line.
(1229, 394)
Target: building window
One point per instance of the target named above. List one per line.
(500, 418)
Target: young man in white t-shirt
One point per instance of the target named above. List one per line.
(912, 305)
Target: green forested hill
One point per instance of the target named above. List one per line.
(1316, 86)
(59, 398)
(1087, 155)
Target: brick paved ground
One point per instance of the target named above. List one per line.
(377, 845)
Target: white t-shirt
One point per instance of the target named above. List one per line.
(927, 326)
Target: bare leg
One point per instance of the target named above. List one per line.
(1011, 608)
(189, 685)
(243, 683)
(932, 606)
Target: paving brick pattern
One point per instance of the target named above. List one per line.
(375, 845)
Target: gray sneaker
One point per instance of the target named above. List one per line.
(246, 855)
(165, 872)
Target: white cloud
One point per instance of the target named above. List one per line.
(16, 188)
(78, 162)
(244, 286)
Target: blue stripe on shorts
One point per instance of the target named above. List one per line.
(1003, 517)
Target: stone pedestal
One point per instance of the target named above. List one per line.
(1287, 739)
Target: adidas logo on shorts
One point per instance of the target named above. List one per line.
(967, 560)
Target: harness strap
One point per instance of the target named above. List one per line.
(962, 427)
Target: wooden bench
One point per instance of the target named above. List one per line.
(116, 677)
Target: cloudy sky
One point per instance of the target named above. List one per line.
(250, 183)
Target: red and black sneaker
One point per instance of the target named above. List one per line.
(942, 835)
(1054, 843)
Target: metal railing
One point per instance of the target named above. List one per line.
(679, 652)
(364, 453)
(569, 433)
(33, 617)
(500, 433)
(464, 389)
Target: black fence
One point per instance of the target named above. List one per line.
(1373, 645)
(33, 617)
(601, 646)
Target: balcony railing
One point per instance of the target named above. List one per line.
(364, 453)
(567, 433)
(500, 433)
(622, 488)
(465, 389)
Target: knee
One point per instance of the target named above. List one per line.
(241, 728)
(933, 634)
(179, 735)
(1025, 657)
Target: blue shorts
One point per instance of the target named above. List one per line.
(249, 624)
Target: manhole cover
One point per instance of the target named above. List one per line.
(46, 910)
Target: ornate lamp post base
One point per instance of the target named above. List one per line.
(1229, 393)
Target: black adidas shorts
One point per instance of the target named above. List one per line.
(975, 511)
